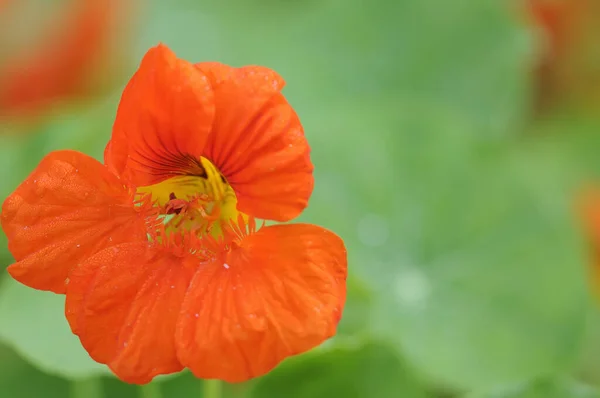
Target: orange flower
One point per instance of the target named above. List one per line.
(589, 211)
(58, 65)
(558, 21)
(161, 266)
(567, 69)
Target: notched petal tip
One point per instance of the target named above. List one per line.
(280, 293)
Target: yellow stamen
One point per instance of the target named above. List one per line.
(198, 202)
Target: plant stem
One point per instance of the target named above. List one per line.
(211, 389)
(150, 390)
(87, 388)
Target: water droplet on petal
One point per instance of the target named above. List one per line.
(226, 265)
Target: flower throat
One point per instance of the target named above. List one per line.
(194, 205)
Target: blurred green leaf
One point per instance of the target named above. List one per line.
(370, 370)
(589, 366)
(491, 288)
(357, 310)
(33, 323)
(559, 388)
(19, 379)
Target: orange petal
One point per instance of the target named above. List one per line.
(258, 143)
(123, 303)
(164, 118)
(279, 294)
(69, 208)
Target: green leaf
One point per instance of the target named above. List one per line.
(559, 388)
(356, 315)
(18, 379)
(488, 284)
(33, 323)
(370, 370)
(589, 367)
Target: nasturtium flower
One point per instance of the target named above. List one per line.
(567, 65)
(62, 63)
(589, 211)
(159, 251)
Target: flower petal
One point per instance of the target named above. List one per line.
(258, 143)
(123, 303)
(69, 208)
(279, 294)
(164, 118)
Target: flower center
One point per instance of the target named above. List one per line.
(198, 203)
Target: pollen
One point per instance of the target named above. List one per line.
(193, 209)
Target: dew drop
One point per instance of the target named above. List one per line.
(78, 245)
(197, 315)
(412, 287)
(172, 286)
(226, 265)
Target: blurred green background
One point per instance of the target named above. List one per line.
(453, 190)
